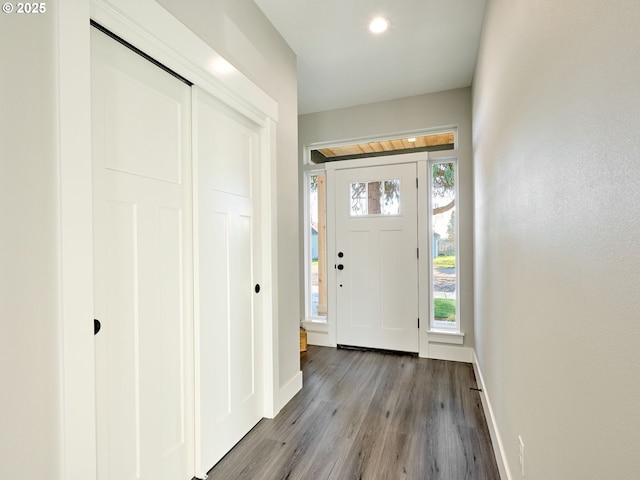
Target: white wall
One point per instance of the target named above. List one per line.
(556, 129)
(30, 320)
(450, 108)
(238, 30)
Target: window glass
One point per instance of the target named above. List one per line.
(316, 247)
(375, 198)
(445, 252)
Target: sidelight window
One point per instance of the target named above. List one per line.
(315, 246)
(444, 237)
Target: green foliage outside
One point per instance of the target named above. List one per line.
(445, 261)
(445, 309)
(444, 177)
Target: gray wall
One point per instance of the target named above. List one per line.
(238, 31)
(30, 347)
(434, 110)
(556, 129)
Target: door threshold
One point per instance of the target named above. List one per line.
(376, 350)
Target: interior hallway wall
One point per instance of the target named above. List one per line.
(239, 31)
(556, 129)
(450, 108)
(30, 320)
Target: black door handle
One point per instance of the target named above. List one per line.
(340, 266)
(257, 288)
(96, 326)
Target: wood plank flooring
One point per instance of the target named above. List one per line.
(369, 415)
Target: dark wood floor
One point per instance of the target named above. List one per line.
(368, 415)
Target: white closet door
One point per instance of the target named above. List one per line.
(141, 168)
(229, 395)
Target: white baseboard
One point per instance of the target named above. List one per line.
(501, 459)
(317, 334)
(450, 352)
(289, 389)
(318, 338)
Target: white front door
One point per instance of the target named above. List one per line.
(141, 133)
(229, 317)
(376, 257)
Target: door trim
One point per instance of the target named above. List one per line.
(77, 372)
(152, 29)
(421, 160)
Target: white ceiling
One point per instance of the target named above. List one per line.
(430, 46)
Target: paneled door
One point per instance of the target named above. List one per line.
(229, 380)
(141, 123)
(376, 259)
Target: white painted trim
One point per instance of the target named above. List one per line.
(317, 327)
(289, 390)
(424, 275)
(441, 155)
(440, 336)
(188, 305)
(148, 26)
(319, 339)
(76, 239)
(317, 333)
(377, 161)
(332, 293)
(496, 440)
(451, 353)
(269, 244)
(195, 211)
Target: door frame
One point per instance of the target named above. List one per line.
(152, 29)
(421, 160)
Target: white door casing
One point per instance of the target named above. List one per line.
(377, 287)
(141, 124)
(229, 351)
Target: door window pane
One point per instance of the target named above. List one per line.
(358, 199)
(375, 198)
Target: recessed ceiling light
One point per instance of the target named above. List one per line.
(379, 25)
(412, 139)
